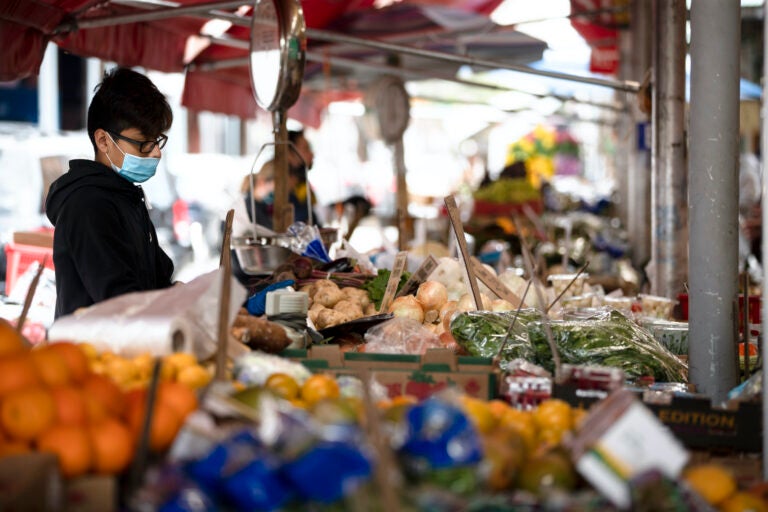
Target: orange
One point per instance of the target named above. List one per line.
(122, 371)
(553, 414)
(89, 350)
(104, 391)
(51, 366)
(163, 428)
(498, 408)
(579, 414)
(283, 385)
(178, 397)
(743, 502)
(713, 482)
(112, 444)
(522, 423)
(27, 413)
(194, 376)
(73, 357)
(404, 400)
(14, 448)
(96, 411)
(134, 398)
(71, 405)
(11, 341)
(318, 387)
(17, 372)
(72, 446)
(479, 413)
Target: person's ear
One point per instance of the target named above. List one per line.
(102, 140)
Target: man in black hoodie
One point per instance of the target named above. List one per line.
(104, 243)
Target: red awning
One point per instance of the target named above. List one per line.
(26, 26)
(598, 23)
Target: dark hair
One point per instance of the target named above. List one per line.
(127, 99)
(295, 135)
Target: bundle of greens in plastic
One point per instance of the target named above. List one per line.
(482, 333)
(608, 339)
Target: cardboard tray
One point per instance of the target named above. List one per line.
(694, 421)
(31, 482)
(406, 374)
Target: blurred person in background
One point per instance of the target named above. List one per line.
(104, 241)
(300, 160)
(263, 199)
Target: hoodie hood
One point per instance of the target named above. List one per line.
(85, 173)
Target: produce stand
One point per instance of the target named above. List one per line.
(420, 367)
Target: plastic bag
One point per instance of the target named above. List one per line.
(400, 336)
(607, 339)
(307, 241)
(749, 389)
(481, 333)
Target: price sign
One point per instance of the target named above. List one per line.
(458, 230)
(422, 274)
(494, 284)
(394, 279)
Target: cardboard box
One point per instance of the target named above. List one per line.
(620, 439)
(42, 238)
(91, 493)
(406, 374)
(692, 418)
(30, 482)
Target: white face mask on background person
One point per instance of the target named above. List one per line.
(135, 169)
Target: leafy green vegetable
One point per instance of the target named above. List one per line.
(481, 333)
(608, 340)
(377, 286)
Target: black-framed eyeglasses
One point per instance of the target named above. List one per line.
(145, 146)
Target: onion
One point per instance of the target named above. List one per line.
(302, 267)
(466, 303)
(447, 308)
(446, 313)
(446, 321)
(432, 295)
(501, 305)
(407, 306)
(431, 316)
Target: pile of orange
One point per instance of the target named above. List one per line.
(135, 372)
(51, 401)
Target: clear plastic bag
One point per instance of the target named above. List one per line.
(307, 241)
(400, 336)
(608, 338)
(482, 333)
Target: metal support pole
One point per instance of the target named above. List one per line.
(403, 218)
(713, 205)
(669, 177)
(639, 162)
(282, 216)
(48, 118)
(210, 10)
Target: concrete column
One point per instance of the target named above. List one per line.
(639, 161)
(669, 177)
(714, 194)
(48, 112)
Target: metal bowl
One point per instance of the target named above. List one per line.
(258, 257)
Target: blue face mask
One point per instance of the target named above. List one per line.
(135, 169)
